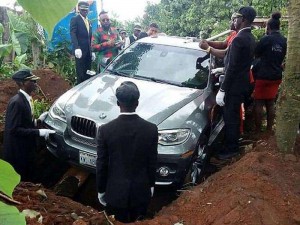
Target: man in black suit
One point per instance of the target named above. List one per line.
(236, 84)
(81, 34)
(132, 38)
(20, 130)
(127, 156)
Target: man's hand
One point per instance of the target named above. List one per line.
(220, 98)
(43, 116)
(101, 198)
(78, 53)
(243, 111)
(217, 70)
(119, 44)
(152, 191)
(93, 56)
(45, 133)
(111, 42)
(203, 44)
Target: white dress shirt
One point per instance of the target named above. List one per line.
(127, 41)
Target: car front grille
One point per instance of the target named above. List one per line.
(84, 141)
(84, 126)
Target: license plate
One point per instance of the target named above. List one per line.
(87, 159)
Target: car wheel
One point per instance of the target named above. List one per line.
(196, 171)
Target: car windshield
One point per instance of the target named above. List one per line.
(163, 64)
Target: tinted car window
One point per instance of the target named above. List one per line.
(175, 65)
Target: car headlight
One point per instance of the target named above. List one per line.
(57, 112)
(173, 137)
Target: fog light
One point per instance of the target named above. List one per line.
(164, 171)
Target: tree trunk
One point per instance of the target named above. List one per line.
(5, 23)
(35, 54)
(288, 104)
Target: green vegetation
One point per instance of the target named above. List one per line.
(195, 17)
(62, 62)
(9, 179)
(46, 12)
(40, 106)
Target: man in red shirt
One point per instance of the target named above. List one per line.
(105, 41)
(219, 48)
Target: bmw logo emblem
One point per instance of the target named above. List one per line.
(102, 116)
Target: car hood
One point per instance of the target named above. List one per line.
(96, 99)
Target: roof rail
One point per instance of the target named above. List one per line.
(195, 39)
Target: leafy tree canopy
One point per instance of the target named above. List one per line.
(202, 17)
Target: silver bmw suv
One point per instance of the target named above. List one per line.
(177, 93)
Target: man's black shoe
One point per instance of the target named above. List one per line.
(224, 155)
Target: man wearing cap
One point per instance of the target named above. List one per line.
(20, 130)
(123, 36)
(81, 34)
(105, 41)
(132, 38)
(126, 159)
(236, 82)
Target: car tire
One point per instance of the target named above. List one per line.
(196, 172)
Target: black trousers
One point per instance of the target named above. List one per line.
(231, 113)
(82, 65)
(128, 215)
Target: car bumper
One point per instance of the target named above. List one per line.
(171, 169)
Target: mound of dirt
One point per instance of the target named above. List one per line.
(51, 85)
(262, 188)
(54, 209)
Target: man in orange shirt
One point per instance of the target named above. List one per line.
(219, 48)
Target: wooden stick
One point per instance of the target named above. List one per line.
(9, 199)
(42, 92)
(111, 223)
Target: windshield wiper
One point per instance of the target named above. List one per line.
(159, 80)
(119, 73)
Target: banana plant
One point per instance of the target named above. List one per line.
(9, 179)
(48, 12)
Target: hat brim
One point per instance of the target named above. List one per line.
(237, 14)
(83, 8)
(32, 77)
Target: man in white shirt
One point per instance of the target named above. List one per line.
(20, 131)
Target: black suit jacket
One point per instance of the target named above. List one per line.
(126, 162)
(80, 37)
(19, 135)
(237, 62)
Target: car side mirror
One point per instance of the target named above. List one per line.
(200, 60)
(105, 61)
(198, 63)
